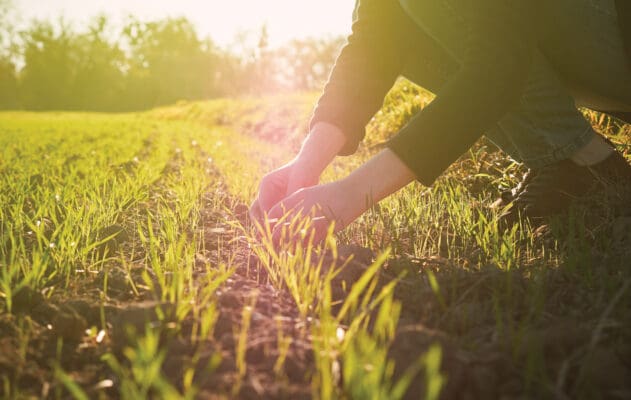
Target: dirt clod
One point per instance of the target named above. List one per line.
(26, 299)
(68, 324)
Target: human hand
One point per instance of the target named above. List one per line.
(342, 201)
(280, 183)
(312, 210)
(318, 150)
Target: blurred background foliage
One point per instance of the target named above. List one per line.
(51, 65)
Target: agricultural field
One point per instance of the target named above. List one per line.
(129, 269)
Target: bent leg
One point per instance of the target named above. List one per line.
(546, 126)
(543, 128)
(588, 51)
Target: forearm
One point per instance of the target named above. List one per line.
(381, 176)
(365, 70)
(344, 200)
(320, 148)
(499, 51)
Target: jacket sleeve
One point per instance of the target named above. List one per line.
(489, 82)
(365, 70)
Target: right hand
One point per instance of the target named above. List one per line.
(279, 184)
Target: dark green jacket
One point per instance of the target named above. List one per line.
(486, 85)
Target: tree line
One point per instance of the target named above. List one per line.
(143, 64)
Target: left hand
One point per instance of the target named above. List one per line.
(280, 183)
(322, 204)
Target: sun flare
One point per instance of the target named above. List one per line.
(220, 20)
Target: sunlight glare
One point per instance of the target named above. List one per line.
(221, 20)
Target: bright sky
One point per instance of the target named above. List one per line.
(219, 19)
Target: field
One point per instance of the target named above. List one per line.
(129, 269)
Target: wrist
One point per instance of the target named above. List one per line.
(309, 164)
(320, 148)
(350, 200)
(381, 176)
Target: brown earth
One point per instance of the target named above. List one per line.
(586, 354)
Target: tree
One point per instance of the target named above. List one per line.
(164, 62)
(8, 85)
(50, 59)
(167, 62)
(8, 74)
(6, 28)
(147, 64)
(98, 83)
(265, 74)
(304, 64)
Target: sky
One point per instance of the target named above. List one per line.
(221, 20)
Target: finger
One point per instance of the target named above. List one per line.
(287, 234)
(268, 199)
(290, 203)
(271, 192)
(255, 211)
